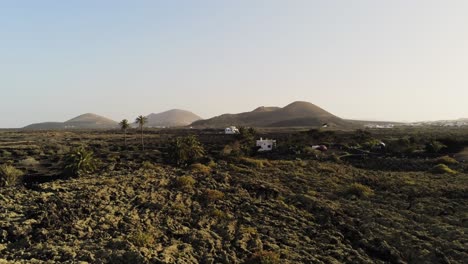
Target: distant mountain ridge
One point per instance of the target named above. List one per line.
(85, 121)
(296, 114)
(172, 118)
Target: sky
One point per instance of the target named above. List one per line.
(393, 60)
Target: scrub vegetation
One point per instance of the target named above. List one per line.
(198, 196)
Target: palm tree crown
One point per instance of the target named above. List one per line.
(124, 125)
(141, 121)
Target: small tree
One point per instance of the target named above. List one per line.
(141, 121)
(124, 125)
(246, 138)
(185, 150)
(79, 161)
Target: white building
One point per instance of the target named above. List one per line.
(231, 130)
(265, 144)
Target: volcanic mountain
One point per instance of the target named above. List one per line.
(85, 121)
(296, 114)
(172, 118)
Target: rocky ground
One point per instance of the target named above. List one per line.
(296, 211)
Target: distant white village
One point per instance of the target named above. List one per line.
(442, 123)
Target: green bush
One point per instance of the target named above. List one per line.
(371, 143)
(10, 176)
(434, 147)
(357, 190)
(79, 161)
(442, 169)
(184, 151)
(401, 146)
(245, 144)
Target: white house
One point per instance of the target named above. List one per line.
(265, 144)
(231, 130)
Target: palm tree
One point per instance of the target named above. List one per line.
(141, 121)
(186, 150)
(124, 125)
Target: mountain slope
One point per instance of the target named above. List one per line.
(85, 121)
(295, 114)
(172, 118)
(45, 126)
(92, 121)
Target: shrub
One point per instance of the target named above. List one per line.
(446, 160)
(213, 195)
(79, 161)
(186, 182)
(212, 164)
(146, 165)
(264, 257)
(442, 169)
(401, 146)
(184, 151)
(371, 143)
(233, 149)
(246, 142)
(6, 153)
(434, 147)
(357, 190)
(10, 176)
(141, 239)
(29, 162)
(200, 168)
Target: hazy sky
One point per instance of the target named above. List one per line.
(379, 60)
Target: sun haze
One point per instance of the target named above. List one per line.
(376, 60)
